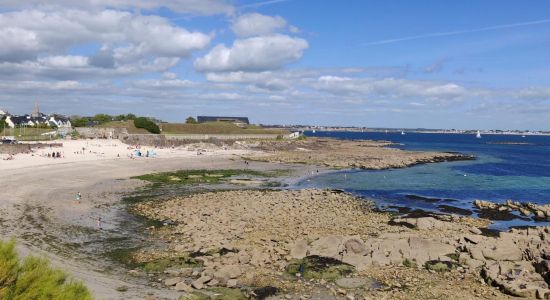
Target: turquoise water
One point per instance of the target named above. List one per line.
(501, 171)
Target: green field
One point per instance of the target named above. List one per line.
(216, 128)
(29, 134)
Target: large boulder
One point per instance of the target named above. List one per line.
(299, 249)
(330, 246)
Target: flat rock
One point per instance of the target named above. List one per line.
(352, 283)
(172, 281)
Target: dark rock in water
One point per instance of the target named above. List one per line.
(264, 292)
(422, 198)
(454, 210)
(497, 215)
(489, 232)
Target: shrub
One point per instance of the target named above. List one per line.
(146, 124)
(35, 279)
(190, 120)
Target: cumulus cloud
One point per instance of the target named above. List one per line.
(253, 54)
(392, 88)
(254, 24)
(199, 7)
(40, 40)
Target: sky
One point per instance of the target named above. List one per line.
(464, 64)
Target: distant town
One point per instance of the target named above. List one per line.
(64, 124)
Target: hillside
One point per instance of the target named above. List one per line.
(216, 128)
(129, 125)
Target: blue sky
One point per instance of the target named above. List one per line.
(436, 64)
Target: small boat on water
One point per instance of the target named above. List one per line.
(313, 131)
(402, 132)
(478, 134)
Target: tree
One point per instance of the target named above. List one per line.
(190, 120)
(79, 121)
(33, 278)
(130, 117)
(146, 124)
(102, 118)
(3, 123)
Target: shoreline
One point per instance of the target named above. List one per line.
(101, 182)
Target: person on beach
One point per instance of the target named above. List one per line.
(98, 222)
(78, 197)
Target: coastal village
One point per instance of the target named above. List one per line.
(221, 223)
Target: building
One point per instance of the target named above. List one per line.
(26, 121)
(59, 121)
(235, 120)
(36, 119)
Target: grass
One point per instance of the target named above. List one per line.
(162, 264)
(216, 128)
(439, 266)
(216, 293)
(28, 134)
(409, 263)
(129, 125)
(33, 278)
(189, 177)
(315, 267)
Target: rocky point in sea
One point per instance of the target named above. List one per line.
(321, 243)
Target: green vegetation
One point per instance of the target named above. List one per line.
(409, 263)
(190, 120)
(197, 176)
(217, 293)
(316, 267)
(33, 278)
(439, 266)
(140, 125)
(29, 133)
(100, 119)
(217, 128)
(162, 264)
(146, 124)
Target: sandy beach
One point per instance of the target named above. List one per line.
(263, 232)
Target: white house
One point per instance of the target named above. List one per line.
(59, 121)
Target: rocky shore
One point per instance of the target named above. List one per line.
(538, 212)
(340, 154)
(320, 244)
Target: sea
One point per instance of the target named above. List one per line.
(506, 167)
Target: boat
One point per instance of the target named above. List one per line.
(402, 132)
(522, 136)
(478, 135)
(313, 131)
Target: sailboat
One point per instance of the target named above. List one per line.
(402, 132)
(478, 135)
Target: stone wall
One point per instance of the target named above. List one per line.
(25, 148)
(101, 133)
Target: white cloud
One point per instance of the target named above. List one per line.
(36, 41)
(255, 24)
(199, 7)
(253, 54)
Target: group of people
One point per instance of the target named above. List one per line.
(54, 155)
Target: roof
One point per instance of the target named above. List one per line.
(203, 119)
